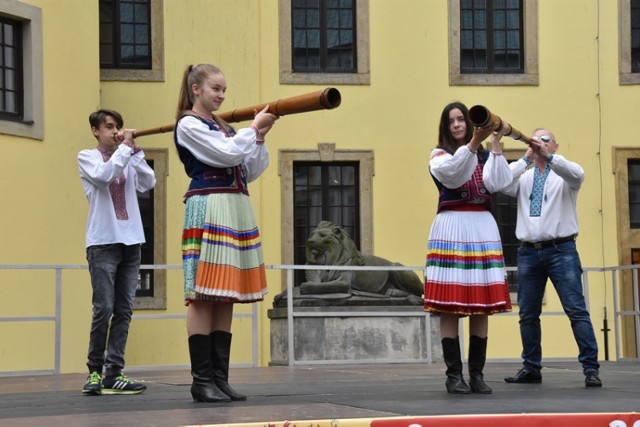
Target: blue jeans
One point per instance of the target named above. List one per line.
(114, 272)
(561, 264)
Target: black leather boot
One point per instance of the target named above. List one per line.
(477, 357)
(220, 349)
(203, 388)
(455, 381)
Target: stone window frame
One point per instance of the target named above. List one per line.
(512, 155)
(160, 158)
(326, 152)
(625, 239)
(156, 73)
(32, 124)
(626, 77)
(530, 77)
(361, 77)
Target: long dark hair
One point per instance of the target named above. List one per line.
(445, 139)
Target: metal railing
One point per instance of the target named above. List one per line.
(56, 318)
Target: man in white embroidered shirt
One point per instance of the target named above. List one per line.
(547, 228)
(111, 175)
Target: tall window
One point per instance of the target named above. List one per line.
(125, 34)
(633, 169)
(21, 70)
(504, 210)
(11, 87)
(629, 42)
(493, 42)
(324, 42)
(151, 292)
(323, 34)
(324, 184)
(626, 206)
(146, 277)
(635, 36)
(324, 191)
(491, 36)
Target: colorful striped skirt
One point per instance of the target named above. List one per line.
(465, 265)
(221, 250)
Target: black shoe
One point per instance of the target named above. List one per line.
(592, 380)
(93, 386)
(121, 385)
(525, 377)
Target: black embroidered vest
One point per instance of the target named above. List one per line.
(207, 179)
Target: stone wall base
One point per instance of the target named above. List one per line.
(364, 334)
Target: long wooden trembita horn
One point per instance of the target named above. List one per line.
(326, 99)
(480, 116)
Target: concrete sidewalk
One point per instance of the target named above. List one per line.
(317, 392)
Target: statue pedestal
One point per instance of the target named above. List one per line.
(362, 334)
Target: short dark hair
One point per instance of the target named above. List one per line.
(98, 117)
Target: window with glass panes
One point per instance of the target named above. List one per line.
(491, 36)
(633, 169)
(324, 191)
(11, 89)
(323, 36)
(146, 277)
(125, 34)
(505, 212)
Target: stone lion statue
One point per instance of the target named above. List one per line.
(329, 244)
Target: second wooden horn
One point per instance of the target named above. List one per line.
(480, 116)
(326, 99)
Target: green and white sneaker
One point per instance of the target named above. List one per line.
(93, 385)
(121, 385)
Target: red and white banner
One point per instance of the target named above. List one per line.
(631, 419)
(515, 420)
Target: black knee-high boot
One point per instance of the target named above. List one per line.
(451, 352)
(477, 357)
(220, 350)
(203, 388)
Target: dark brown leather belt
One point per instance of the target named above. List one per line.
(549, 243)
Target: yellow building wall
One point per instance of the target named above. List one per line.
(44, 210)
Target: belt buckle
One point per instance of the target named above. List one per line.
(537, 245)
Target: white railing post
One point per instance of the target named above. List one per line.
(636, 309)
(58, 322)
(616, 311)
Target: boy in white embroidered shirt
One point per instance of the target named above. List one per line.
(112, 174)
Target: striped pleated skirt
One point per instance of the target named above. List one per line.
(221, 250)
(465, 265)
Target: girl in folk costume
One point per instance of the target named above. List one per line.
(221, 250)
(465, 265)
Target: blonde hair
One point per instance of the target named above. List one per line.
(194, 74)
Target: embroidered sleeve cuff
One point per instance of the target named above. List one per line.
(526, 160)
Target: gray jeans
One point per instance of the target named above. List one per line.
(114, 272)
